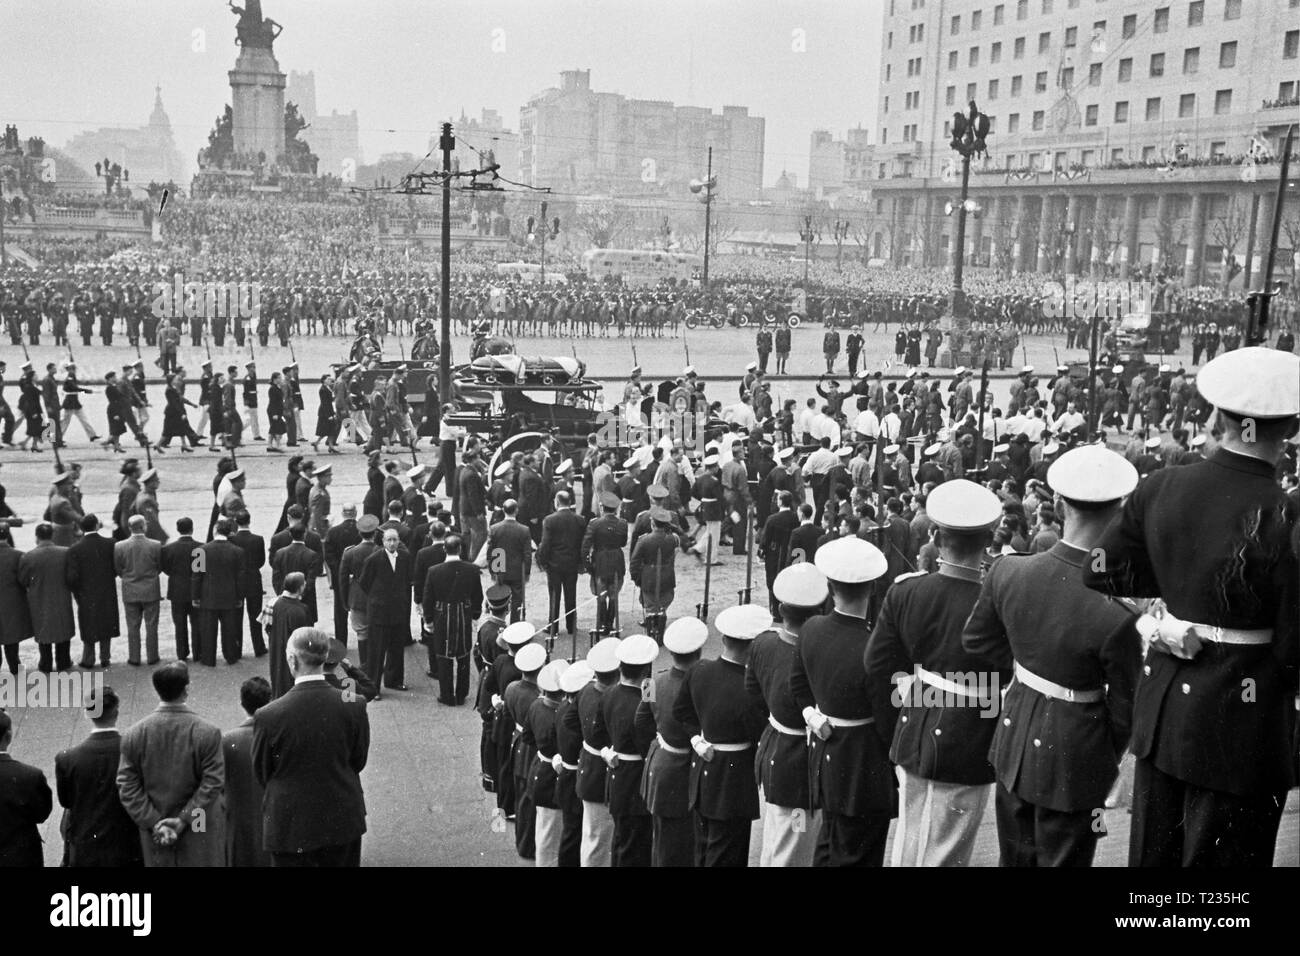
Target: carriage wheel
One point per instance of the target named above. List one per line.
(793, 320)
(742, 320)
(548, 379)
(491, 378)
(691, 322)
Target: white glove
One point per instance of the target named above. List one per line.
(1177, 637)
(557, 763)
(817, 723)
(498, 703)
(609, 756)
(702, 747)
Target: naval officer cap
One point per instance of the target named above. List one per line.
(961, 505)
(239, 473)
(530, 658)
(367, 524)
(932, 449)
(844, 451)
(850, 561)
(503, 469)
(548, 679)
(1198, 441)
(1001, 448)
(710, 460)
(603, 657)
(564, 467)
(786, 453)
(633, 462)
(322, 470)
(497, 596)
(1117, 369)
(518, 633)
(414, 472)
(637, 650)
(610, 500)
(1091, 474)
(657, 492)
(1152, 443)
(686, 635)
(801, 585)
(1253, 382)
(688, 371)
(577, 676)
(891, 450)
(744, 622)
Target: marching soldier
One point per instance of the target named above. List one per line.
(602, 553)
(488, 646)
(831, 349)
(940, 715)
(1065, 721)
(568, 744)
(763, 342)
(852, 781)
(782, 343)
(72, 392)
(853, 346)
(1214, 762)
(726, 723)
(250, 399)
(652, 569)
(539, 734)
(789, 823)
(518, 698)
(666, 779)
(589, 785)
(623, 744)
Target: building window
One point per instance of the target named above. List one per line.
(886, 104)
(1090, 116)
(1130, 26)
(952, 59)
(1191, 59)
(950, 96)
(1013, 123)
(1232, 9)
(1161, 22)
(1157, 64)
(1099, 26)
(999, 14)
(1044, 41)
(888, 70)
(1094, 74)
(1218, 148)
(1117, 154)
(1228, 55)
(1038, 119)
(1071, 37)
(1153, 108)
(955, 28)
(1040, 82)
(1067, 77)
(974, 56)
(889, 40)
(1085, 157)
(1222, 102)
(884, 136)
(1186, 105)
(1018, 48)
(1126, 69)
(995, 53)
(1290, 44)
(1148, 155)
(970, 92)
(993, 89)
(975, 19)
(1196, 13)
(1047, 7)
(1016, 85)
(1031, 160)
(1121, 111)
(1286, 91)
(1022, 9)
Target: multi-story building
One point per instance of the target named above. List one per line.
(839, 165)
(1126, 134)
(488, 133)
(574, 138)
(335, 139)
(149, 152)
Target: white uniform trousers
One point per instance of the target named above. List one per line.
(597, 834)
(937, 822)
(547, 827)
(80, 414)
(710, 530)
(789, 836)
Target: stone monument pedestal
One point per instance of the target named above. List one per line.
(257, 104)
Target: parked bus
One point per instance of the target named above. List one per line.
(640, 267)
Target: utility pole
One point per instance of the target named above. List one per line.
(969, 132)
(807, 236)
(708, 214)
(447, 144)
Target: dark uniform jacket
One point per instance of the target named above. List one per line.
(775, 543)
(714, 703)
(568, 742)
(665, 782)
(451, 600)
(652, 563)
(499, 676)
(615, 726)
(15, 619)
(539, 736)
(349, 570)
(851, 772)
(1063, 755)
(96, 829)
(1191, 717)
(937, 735)
(590, 783)
(337, 540)
(602, 547)
(781, 763)
(519, 696)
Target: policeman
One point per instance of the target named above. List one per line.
(539, 733)
(726, 723)
(940, 714)
(852, 781)
(623, 744)
(519, 697)
(789, 822)
(589, 785)
(1065, 721)
(1214, 713)
(665, 781)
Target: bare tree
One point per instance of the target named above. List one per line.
(602, 222)
(1228, 231)
(1005, 233)
(1291, 229)
(1105, 234)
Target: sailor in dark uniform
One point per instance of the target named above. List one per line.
(539, 733)
(518, 698)
(800, 591)
(852, 780)
(1215, 708)
(597, 825)
(940, 714)
(666, 780)
(1065, 721)
(487, 648)
(568, 747)
(502, 674)
(623, 744)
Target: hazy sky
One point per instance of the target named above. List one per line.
(406, 65)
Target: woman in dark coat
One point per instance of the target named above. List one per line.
(327, 423)
(15, 620)
(373, 503)
(275, 414)
(29, 404)
(217, 408)
(291, 479)
(176, 423)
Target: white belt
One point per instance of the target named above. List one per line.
(846, 722)
(946, 685)
(1054, 690)
(669, 748)
(519, 728)
(783, 729)
(729, 748)
(1166, 623)
(569, 766)
(630, 758)
(590, 749)
(707, 500)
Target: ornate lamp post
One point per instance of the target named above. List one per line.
(968, 134)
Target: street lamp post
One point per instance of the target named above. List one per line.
(807, 235)
(968, 134)
(703, 189)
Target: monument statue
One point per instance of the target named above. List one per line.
(253, 29)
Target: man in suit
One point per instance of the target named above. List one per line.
(309, 748)
(218, 567)
(602, 554)
(532, 498)
(96, 829)
(138, 562)
(296, 556)
(243, 791)
(775, 543)
(43, 574)
(288, 613)
(352, 595)
(25, 803)
(171, 778)
(803, 539)
(510, 555)
(473, 504)
(337, 540)
(295, 516)
(250, 581)
(177, 562)
(450, 601)
(386, 580)
(90, 579)
(560, 556)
